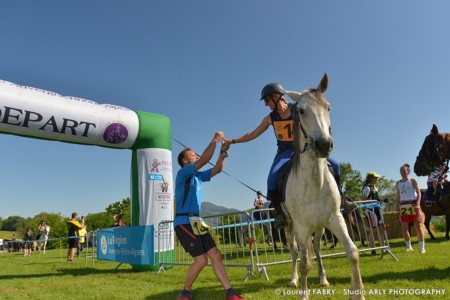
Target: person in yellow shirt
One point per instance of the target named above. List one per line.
(73, 227)
(83, 236)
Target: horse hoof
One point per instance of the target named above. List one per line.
(292, 284)
(325, 284)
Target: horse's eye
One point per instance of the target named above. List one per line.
(301, 111)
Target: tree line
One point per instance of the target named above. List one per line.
(58, 223)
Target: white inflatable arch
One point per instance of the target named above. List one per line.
(36, 113)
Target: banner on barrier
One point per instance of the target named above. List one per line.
(133, 245)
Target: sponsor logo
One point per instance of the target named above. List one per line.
(115, 133)
(104, 245)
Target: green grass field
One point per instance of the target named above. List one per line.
(49, 276)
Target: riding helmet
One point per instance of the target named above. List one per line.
(271, 88)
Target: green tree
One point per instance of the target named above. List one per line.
(351, 181)
(124, 206)
(15, 223)
(99, 220)
(352, 184)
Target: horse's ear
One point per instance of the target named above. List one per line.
(323, 85)
(434, 130)
(294, 95)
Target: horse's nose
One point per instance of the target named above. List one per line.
(323, 147)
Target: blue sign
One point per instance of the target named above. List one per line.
(133, 245)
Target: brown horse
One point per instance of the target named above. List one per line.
(435, 208)
(434, 151)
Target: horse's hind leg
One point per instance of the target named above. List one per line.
(322, 276)
(427, 226)
(338, 227)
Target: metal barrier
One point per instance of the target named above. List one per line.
(229, 231)
(91, 245)
(270, 245)
(250, 240)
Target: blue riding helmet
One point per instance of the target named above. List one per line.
(272, 88)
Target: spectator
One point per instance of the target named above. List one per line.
(190, 229)
(73, 227)
(119, 219)
(83, 237)
(27, 241)
(408, 205)
(373, 213)
(258, 203)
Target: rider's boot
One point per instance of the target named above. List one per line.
(275, 198)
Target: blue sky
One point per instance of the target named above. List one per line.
(203, 64)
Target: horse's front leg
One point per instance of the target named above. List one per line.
(447, 225)
(338, 227)
(305, 265)
(322, 275)
(294, 255)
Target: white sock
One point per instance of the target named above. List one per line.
(422, 245)
(408, 244)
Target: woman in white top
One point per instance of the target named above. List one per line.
(408, 206)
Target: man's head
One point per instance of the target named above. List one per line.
(74, 215)
(187, 157)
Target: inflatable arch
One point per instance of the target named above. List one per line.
(36, 113)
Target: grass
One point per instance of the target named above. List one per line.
(49, 276)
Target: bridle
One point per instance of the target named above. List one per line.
(309, 141)
(437, 155)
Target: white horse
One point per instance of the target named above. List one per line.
(312, 196)
(43, 238)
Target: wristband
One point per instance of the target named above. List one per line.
(233, 141)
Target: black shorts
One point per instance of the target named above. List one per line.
(195, 245)
(73, 242)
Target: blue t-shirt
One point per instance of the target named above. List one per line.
(191, 204)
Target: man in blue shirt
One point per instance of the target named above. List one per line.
(191, 231)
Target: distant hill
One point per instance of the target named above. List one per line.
(210, 209)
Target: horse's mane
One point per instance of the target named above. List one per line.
(297, 137)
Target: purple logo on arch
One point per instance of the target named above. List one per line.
(115, 133)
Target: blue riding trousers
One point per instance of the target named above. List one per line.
(279, 161)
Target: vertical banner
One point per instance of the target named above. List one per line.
(155, 182)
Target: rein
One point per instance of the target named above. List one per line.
(308, 139)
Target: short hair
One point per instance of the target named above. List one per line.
(182, 155)
(74, 215)
(406, 166)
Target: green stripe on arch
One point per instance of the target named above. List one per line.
(154, 131)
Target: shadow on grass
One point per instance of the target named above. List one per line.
(64, 271)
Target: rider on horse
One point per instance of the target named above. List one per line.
(435, 181)
(282, 121)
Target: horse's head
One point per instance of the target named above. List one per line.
(312, 125)
(433, 152)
